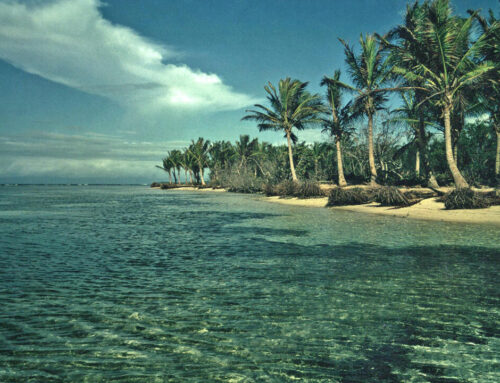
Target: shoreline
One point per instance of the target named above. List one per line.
(428, 209)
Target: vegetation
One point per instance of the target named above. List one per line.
(391, 196)
(345, 197)
(291, 107)
(465, 199)
(445, 130)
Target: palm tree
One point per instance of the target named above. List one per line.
(411, 115)
(412, 41)
(221, 153)
(449, 63)
(167, 167)
(200, 150)
(175, 157)
(491, 94)
(369, 73)
(338, 125)
(291, 107)
(244, 149)
(185, 164)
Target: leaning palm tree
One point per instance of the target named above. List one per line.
(450, 63)
(338, 126)
(369, 73)
(291, 106)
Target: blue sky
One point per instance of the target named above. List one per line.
(98, 91)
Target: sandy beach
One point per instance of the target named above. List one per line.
(428, 209)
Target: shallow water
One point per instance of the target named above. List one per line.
(136, 285)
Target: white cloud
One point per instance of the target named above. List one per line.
(69, 42)
(81, 156)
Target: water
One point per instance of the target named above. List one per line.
(129, 284)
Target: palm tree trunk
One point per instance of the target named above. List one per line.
(290, 156)
(202, 176)
(424, 155)
(497, 160)
(191, 176)
(460, 181)
(340, 165)
(417, 163)
(169, 177)
(371, 156)
(185, 176)
(455, 152)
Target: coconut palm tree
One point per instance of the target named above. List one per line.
(175, 157)
(244, 149)
(410, 115)
(369, 72)
(449, 63)
(185, 164)
(338, 126)
(410, 37)
(491, 94)
(291, 106)
(221, 153)
(200, 149)
(167, 167)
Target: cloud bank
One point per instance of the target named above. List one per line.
(69, 42)
(88, 157)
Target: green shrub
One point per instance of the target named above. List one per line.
(308, 189)
(465, 199)
(391, 196)
(344, 197)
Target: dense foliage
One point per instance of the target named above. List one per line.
(444, 69)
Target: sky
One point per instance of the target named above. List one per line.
(98, 91)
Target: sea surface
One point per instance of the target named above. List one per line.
(130, 284)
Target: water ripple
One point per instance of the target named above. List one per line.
(133, 285)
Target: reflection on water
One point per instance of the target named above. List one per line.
(137, 285)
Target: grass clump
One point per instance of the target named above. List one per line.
(465, 199)
(344, 197)
(308, 189)
(286, 188)
(269, 189)
(391, 196)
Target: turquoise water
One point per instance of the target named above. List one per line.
(129, 284)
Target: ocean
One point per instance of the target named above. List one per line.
(131, 284)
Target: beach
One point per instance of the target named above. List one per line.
(427, 209)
